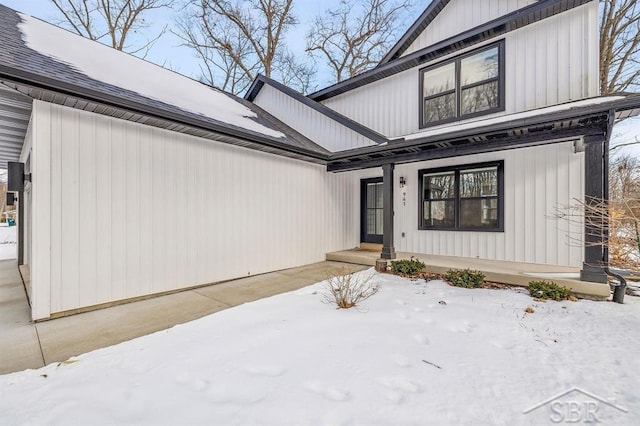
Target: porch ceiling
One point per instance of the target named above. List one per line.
(15, 111)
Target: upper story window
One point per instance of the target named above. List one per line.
(469, 85)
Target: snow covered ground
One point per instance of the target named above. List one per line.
(8, 238)
(416, 353)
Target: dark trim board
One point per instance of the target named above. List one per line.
(433, 10)
(490, 30)
(475, 142)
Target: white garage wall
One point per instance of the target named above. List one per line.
(537, 181)
(122, 210)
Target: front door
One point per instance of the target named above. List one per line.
(371, 210)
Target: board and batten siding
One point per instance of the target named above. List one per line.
(546, 63)
(122, 210)
(460, 16)
(314, 125)
(537, 182)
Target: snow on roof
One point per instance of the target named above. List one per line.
(476, 124)
(122, 70)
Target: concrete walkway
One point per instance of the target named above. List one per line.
(24, 344)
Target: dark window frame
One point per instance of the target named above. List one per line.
(459, 87)
(457, 170)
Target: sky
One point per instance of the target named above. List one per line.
(168, 50)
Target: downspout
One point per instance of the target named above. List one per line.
(620, 288)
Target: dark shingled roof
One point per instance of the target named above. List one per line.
(21, 65)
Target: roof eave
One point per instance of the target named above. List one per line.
(41, 82)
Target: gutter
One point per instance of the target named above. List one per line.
(620, 288)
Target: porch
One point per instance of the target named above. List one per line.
(506, 272)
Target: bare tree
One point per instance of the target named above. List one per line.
(111, 22)
(236, 40)
(354, 37)
(619, 45)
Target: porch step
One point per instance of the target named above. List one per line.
(514, 273)
(371, 247)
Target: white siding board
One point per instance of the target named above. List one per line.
(41, 213)
(129, 210)
(539, 72)
(103, 162)
(459, 16)
(87, 257)
(530, 202)
(315, 126)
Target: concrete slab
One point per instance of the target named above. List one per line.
(19, 346)
(69, 336)
(28, 345)
(20, 349)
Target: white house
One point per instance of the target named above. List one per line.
(482, 119)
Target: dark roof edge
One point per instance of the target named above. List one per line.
(630, 102)
(414, 31)
(261, 80)
(497, 27)
(65, 88)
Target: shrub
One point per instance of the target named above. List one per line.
(407, 267)
(346, 290)
(548, 290)
(464, 278)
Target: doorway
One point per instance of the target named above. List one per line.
(372, 210)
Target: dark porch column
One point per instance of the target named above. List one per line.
(595, 228)
(388, 251)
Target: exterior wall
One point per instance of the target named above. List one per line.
(309, 122)
(459, 16)
(537, 181)
(540, 71)
(123, 210)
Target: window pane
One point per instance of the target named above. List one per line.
(379, 221)
(440, 108)
(439, 80)
(480, 98)
(479, 67)
(371, 221)
(439, 214)
(479, 213)
(379, 199)
(371, 195)
(479, 183)
(440, 185)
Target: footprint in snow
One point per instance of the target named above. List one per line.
(394, 396)
(330, 392)
(265, 370)
(402, 314)
(238, 395)
(421, 339)
(401, 360)
(464, 327)
(503, 345)
(401, 302)
(400, 384)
